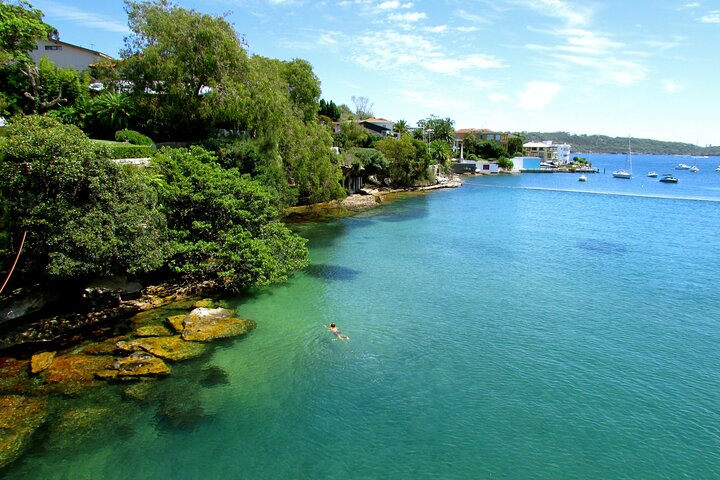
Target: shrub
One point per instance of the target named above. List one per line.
(133, 137)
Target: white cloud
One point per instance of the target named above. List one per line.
(670, 86)
(456, 65)
(391, 49)
(537, 95)
(389, 5)
(407, 17)
(711, 17)
(467, 29)
(438, 29)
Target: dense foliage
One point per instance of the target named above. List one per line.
(409, 160)
(605, 144)
(223, 226)
(85, 216)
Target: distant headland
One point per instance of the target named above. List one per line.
(605, 144)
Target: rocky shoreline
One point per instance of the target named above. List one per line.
(147, 351)
(370, 197)
(128, 343)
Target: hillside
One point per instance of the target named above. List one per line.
(605, 144)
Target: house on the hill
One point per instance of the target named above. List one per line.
(482, 134)
(67, 55)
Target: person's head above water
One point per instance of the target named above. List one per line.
(332, 325)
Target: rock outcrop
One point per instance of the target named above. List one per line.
(208, 324)
(20, 417)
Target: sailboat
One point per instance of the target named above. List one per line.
(627, 171)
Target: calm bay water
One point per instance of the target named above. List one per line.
(514, 328)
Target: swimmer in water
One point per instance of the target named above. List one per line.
(334, 329)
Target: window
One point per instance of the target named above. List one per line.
(53, 47)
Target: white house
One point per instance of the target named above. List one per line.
(557, 153)
(67, 55)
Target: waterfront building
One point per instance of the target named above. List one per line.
(481, 134)
(548, 152)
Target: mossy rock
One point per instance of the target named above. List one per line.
(206, 325)
(176, 322)
(71, 373)
(173, 348)
(153, 331)
(20, 417)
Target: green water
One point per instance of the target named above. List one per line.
(499, 333)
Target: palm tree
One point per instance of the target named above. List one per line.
(401, 127)
(113, 110)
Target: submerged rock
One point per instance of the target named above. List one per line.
(207, 324)
(20, 417)
(213, 376)
(139, 391)
(14, 376)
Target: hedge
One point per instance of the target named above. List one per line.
(135, 138)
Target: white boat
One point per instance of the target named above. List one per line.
(668, 178)
(627, 171)
(652, 174)
(694, 169)
(582, 178)
(682, 166)
(717, 169)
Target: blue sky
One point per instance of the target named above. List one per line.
(644, 68)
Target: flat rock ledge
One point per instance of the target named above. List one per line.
(138, 358)
(208, 324)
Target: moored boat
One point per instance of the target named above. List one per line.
(694, 169)
(582, 178)
(627, 171)
(682, 166)
(668, 178)
(652, 174)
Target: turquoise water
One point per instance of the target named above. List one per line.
(510, 329)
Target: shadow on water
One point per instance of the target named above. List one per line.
(603, 247)
(332, 272)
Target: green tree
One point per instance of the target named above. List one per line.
(305, 149)
(329, 109)
(515, 144)
(441, 153)
(303, 87)
(173, 58)
(85, 216)
(436, 128)
(401, 127)
(223, 226)
(409, 160)
(21, 26)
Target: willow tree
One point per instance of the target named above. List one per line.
(173, 58)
